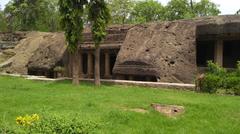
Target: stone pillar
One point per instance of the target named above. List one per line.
(90, 65)
(218, 56)
(81, 74)
(107, 66)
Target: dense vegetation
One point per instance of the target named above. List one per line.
(106, 109)
(219, 80)
(43, 15)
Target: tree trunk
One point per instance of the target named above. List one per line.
(75, 68)
(97, 66)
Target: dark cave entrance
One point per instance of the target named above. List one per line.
(205, 52)
(138, 78)
(41, 72)
(231, 53)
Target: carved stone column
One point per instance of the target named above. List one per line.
(81, 73)
(107, 66)
(90, 65)
(218, 56)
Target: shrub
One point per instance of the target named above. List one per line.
(217, 79)
(215, 69)
(59, 69)
(237, 90)
(238, 69)
(210, 83)
(231, 82)
(59, 125)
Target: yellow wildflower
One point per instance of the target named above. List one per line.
(27, 120)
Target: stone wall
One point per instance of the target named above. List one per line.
(9, 40)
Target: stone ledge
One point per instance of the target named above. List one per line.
(179, 86)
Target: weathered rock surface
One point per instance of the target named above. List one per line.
(164, 50)
(167, 50)
(9, 40)
(49, 53)
(38, 49)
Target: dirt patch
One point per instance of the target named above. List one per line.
(138, 110)
(168, 110)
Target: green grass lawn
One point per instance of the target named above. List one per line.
(205, 113)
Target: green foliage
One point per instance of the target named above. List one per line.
(178, 9)
(59, 69)
(182, 9)
(3, 23)
(49, 19)
(217, 79)
(121, 10)
(6, 129)
(238, 68)
(44, 15)
(147, 11)
(71, 13)
(27, 15)
(108, 106)
(50, 124)
(99, 17)
(206, 8)
(215, 69)
(211, 83)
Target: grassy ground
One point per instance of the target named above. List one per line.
(206, 114)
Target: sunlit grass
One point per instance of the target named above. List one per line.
(204, 113)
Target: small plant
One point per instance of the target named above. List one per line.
(238, 68)
(210, 83)
(215, 69)
(217, 79)
(59, 69)
(55, 124)
(27, 120)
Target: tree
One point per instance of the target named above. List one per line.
(146, 11)
(184, 9)
(71, 12)
(99, 17)
(178, 9)
(120, 10)
(3, 24)
(49, 18)
(206, 8)
(238, 12)
(25, 15)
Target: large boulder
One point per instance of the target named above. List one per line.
(167, 50)
(37, 50)
(164, 50)
(50, 52)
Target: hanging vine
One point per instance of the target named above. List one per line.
(71, 13)
(99, 16)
